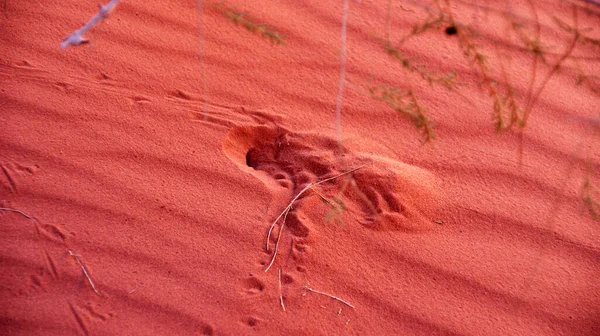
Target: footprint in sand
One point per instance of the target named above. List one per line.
(251, 286)
(11, 172)
(251, 321)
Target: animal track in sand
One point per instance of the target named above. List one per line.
(252, 321)
(385, 195)
(10, 171)
(251, 286)
(207, 330)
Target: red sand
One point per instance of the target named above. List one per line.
(107, 147)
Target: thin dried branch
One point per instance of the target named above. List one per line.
(308, 288)
(308, 186)
(85, 272)
(340, 93)
(281, 292)
(278, 239)
(568, 51)
(35, 221)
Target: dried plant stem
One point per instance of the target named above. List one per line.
(388, 22)
(289, 207)
(25, 215)
(310, 185)
(85, 272)
(281, 292)
(284, 213)
(201, 57)
(533, 97)
(308, 288)
(278, 239)
(554, 69)
(340, 94)
(537, 52)
(18, 211)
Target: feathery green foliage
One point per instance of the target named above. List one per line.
(448, 80)
(251, 24)
(590, 196)
(405, 103)
(509, 109)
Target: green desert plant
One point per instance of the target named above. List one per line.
(337, 206)
(590, 196)
(509, 110)
(251, 24)
(506, 110)
(405, 102)
(448, 80)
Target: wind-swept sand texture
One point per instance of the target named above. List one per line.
(152, 162)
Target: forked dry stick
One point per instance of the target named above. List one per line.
(85, 272)
(308, 288)
(281, 291)
(310, 185)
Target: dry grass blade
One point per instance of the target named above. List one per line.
(281, 292)
(590, 195)
(340, 93)
(289, 207)
(285, 211)
(308, 288)
(85, 272)
(35, 221)
(278, 239)
(20, 212)
(568, 51)
(310, 185)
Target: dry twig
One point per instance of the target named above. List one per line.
(308, 288)
(19, 211)
(85, 272)
(24, 214)
(309, 186)
(136, 288)
(289, 207)
(278, 239)
(280, 291)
